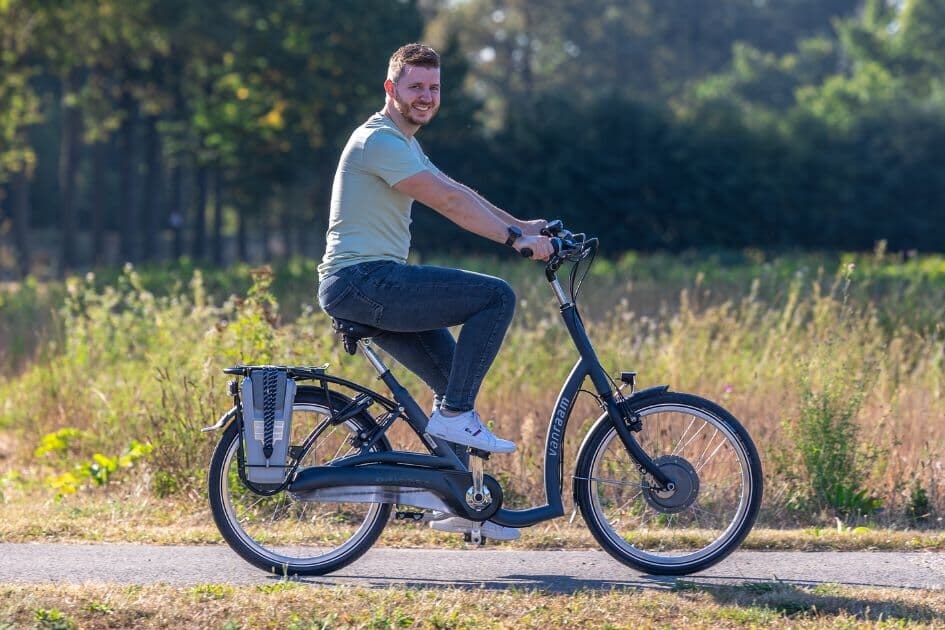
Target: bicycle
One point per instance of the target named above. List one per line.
(668, 483)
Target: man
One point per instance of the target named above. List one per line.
(364, 275)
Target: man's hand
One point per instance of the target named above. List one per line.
(541, 246)
(533, 228)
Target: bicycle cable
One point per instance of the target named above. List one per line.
(589, 254)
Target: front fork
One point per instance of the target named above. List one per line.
(617, 412)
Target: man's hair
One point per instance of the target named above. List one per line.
(411, 55)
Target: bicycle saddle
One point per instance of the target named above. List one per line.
(352, 332)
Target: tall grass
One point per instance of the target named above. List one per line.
(834, 364)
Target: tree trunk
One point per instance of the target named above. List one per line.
(285, 216)
(218, 218)
(151, 233)
(176, 215)
(264, 232)
(21, 219)
(242, 248)
(68, 165)
(127, 213)
(99, 154)
(199, 246)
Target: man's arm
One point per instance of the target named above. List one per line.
(527, 227)
(469, 210)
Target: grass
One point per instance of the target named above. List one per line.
(291, 605)
(109, 378)
(148, 520)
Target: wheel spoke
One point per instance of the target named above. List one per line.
(679, 446)
(277, 532)
(615, 482)
(660, 530)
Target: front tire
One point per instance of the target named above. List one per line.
(288, 537)
(718, 491)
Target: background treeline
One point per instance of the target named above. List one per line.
(136, 130)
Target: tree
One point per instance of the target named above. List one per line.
(19, 109)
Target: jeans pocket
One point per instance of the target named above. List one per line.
(331, 291)
(343, 299)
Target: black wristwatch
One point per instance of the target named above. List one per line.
(514, 234)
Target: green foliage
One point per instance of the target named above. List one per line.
(211, 591)
(919, 507)
(58, 443)
(99, 607)
(825, 436)
(853, 359)
(60, 449)
(53, 619)
(813, 124)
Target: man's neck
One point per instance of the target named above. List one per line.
(397, 118)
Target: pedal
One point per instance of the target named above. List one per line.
(404, 515)
(407, 515)
(479, 453)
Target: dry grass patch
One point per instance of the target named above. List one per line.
(294, 605)
(147, 520)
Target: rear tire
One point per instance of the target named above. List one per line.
(719, 486)
(288, 537)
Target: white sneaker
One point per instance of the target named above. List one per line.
(467, 428)
(459, 525)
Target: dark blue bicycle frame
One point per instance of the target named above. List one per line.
(587, 366)
(427, 471)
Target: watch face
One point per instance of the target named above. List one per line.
(514, 234)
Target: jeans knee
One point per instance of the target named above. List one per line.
(505, 295)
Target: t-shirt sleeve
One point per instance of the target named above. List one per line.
(391, 158)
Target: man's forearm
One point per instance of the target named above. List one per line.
(501, 214)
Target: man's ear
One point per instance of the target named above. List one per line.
(389, 87)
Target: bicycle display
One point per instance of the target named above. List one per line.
(668, 483)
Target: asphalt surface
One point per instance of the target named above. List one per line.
(552, 571)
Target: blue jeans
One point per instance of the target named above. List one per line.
(415, 305)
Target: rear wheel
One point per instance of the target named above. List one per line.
(718, 486)
(278, 533)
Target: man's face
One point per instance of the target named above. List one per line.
(416, 95)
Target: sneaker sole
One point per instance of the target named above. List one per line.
(463, 530)
(497, 450)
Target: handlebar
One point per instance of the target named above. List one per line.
(564, 242)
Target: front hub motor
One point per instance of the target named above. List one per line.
(685, 487)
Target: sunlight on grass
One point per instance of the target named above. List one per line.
(134, 358)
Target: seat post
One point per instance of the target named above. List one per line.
(373, 359)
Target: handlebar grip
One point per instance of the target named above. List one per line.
(552, 228)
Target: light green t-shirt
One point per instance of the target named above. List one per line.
(369, 219)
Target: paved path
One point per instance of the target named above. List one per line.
(558, 571)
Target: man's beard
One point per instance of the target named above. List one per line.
(407, 112)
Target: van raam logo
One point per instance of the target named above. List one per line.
(557, 426)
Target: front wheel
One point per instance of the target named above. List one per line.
(717, 494)
(288, 537)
